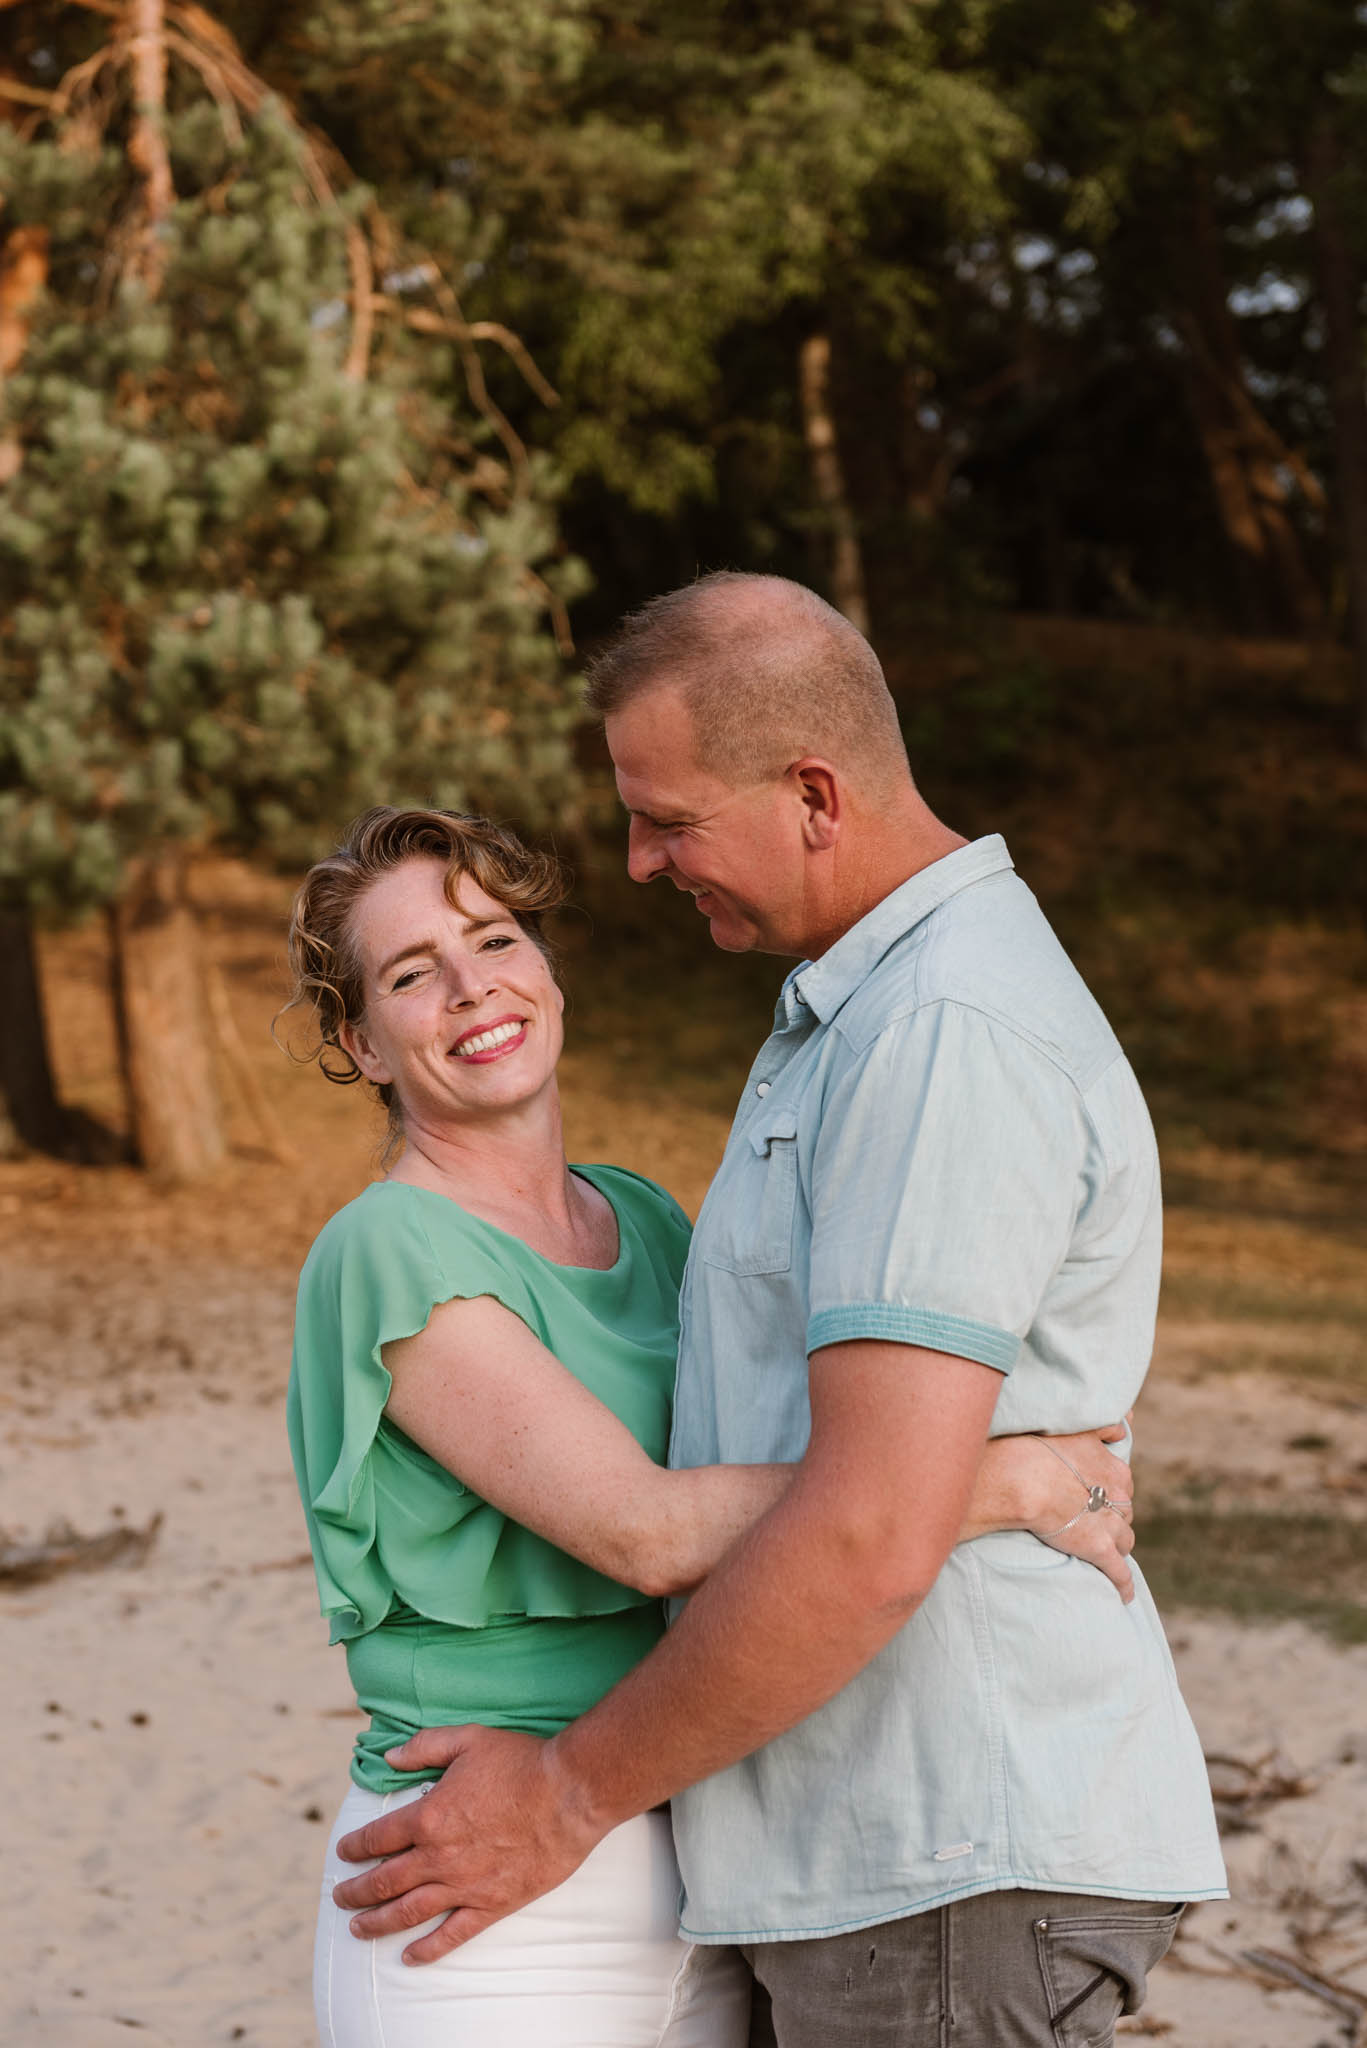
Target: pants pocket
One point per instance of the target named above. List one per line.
(1095, 1967)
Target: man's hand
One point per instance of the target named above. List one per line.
(493, 1833)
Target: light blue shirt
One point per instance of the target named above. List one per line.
(942, 1144)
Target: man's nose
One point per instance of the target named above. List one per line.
(645, 859)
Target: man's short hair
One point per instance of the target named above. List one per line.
(768, 672)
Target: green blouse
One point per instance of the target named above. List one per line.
(450, 1612)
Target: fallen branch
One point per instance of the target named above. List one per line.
(282, 1564)
(1352, 2005)
(64, 1549)
(1241, 1789)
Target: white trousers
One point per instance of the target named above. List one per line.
(597, 1963)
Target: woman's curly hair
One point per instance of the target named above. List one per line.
(326, 972)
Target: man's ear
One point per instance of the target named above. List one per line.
(818, 785)
(354, 1041)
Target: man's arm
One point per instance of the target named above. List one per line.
(794, 1610)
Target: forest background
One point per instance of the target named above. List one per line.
(361, 363)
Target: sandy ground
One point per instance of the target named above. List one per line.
(178, 1731)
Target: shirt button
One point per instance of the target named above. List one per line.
(762, 1087)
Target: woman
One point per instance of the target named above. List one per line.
(478, 1410)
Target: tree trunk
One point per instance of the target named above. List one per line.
(164, 1026)
(147, 135)
(1340, 290)
(1244, 455)
(847, 568)
(30, 1115)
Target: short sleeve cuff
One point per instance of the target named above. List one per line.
(893, 1324)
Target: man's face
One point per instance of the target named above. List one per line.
(737, 852)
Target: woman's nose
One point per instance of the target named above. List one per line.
(467, 981)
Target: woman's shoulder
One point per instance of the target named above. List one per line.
(373, 1219)
(651, 1206)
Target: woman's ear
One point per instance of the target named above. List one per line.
(354, 1042)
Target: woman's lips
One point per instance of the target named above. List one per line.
(490, 1041)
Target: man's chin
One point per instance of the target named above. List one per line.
(728, 935)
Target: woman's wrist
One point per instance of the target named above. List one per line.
(1013, 1489)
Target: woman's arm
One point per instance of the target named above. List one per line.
(488, 1401)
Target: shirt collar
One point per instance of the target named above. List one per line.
(825, 985)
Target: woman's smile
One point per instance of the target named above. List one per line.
(451, 984)
(492, 1041)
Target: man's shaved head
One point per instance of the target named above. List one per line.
(769, 673)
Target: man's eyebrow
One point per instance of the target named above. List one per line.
(421, 946)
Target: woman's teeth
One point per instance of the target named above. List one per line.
(485, 1041)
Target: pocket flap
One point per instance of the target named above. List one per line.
(782, 1124)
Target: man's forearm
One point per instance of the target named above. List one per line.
(749, 1657)
(801, 1604)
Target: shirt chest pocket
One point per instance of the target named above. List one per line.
(749, 1229)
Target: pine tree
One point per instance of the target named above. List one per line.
(258, 572)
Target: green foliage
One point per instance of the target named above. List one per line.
(246, 593)
(653, 183)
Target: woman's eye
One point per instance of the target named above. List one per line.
(499, 940)
(406, 980)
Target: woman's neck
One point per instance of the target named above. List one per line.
(511, 1171)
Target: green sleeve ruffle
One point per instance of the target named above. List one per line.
(389, 1527)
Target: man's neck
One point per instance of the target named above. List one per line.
(876, 858)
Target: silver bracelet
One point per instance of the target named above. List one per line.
(1097, 1496)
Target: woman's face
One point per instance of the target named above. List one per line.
(462, 1012)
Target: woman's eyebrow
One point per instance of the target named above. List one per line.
(473, 926)
(408, 953)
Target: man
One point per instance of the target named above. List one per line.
(930, 1789)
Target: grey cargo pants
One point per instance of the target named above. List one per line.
(1004, 1970)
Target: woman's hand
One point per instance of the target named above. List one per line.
(1044, 1484)
(1066, 1521)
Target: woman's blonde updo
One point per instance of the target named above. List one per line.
(326, 972)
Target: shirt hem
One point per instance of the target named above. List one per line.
(907, 1909)
(890, 1321)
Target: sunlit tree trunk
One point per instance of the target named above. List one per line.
(165, 1041)
(147, 140)
(164, 1032)
(23, 273)
(1340, 292)
(828, 480)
